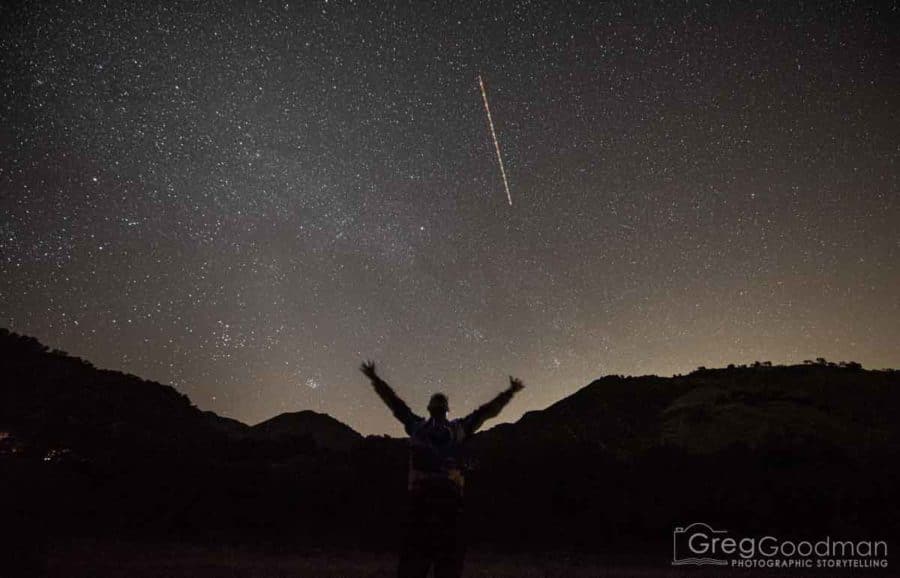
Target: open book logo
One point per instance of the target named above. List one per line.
(695, 545)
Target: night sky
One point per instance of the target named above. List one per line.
(245, 200)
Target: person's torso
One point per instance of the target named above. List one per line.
(435, 454)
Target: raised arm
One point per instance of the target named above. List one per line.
(476, 419)
(397, 406)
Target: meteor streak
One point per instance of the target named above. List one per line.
(487, 109)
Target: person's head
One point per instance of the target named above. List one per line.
(438, 405)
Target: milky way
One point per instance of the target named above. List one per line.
(247, 199)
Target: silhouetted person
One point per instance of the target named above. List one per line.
(434, 526)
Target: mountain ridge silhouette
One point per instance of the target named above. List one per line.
(623, 413)
(802, 449)
(49, 395)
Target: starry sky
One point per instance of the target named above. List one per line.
(246, 199)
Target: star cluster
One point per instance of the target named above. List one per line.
(247, 199)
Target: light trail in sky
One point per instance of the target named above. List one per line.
(487, 109)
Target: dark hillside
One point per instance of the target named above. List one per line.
(326, 431)
(798, 449)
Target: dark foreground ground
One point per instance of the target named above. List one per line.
(113, 559)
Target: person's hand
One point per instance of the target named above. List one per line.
(515, 384)
(368, 369)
